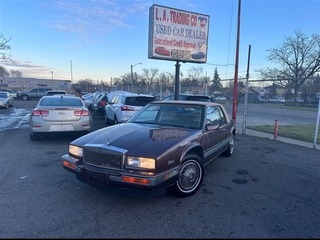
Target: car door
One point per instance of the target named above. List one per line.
(111, 108)
(213, 139)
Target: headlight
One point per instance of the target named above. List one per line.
(75, 151)
(140, 162)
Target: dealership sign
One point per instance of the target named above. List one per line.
(177, 35)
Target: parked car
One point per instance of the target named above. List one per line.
(188, 97)
(55, 92)
(57, 114)
(291, 100)
(312, 100)
(164, 146)
(6, 100)
(100, 103)
(198, 55)
(102, 98)
(35, 93)
(124, 105)
(276, 100)
(252, 98)
(87, 98)
(219, 99)
(162, 51)
(13, 93)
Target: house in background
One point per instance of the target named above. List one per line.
(276, 90)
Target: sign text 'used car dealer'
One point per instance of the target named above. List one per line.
(177, 35)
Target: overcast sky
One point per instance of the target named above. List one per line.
(101, 39)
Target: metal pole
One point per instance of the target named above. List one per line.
(132, 77)
(132, 74)
(71, 72)
(246, 96)
(176, 89)
(235, 87)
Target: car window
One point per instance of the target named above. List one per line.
(166, 98)
(215, 115)
(116, 99)
(50, 93)
(198, 98)
(3, 95)
(138, 101)
(61, 102)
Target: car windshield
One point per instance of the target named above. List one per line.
(178, 115)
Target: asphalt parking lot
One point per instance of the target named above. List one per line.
(267, 189)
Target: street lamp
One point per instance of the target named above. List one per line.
(51, 75)
(132, 73)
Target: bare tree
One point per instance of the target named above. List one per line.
(4, 72)
(149, 75)
(4, 49)
(16, 73)
(298, 60)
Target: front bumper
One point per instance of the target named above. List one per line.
(113, 180)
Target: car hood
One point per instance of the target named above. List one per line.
(137, 139)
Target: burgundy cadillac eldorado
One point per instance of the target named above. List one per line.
(163, 148)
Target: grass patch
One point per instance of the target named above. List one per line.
(302, 108)
(300, 132)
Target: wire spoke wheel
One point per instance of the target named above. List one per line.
(190, 176)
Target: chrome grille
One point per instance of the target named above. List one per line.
(103, 156)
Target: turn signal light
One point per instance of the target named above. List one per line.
(135, 180)
(67, 164)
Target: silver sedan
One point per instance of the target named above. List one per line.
(6, 100)
(57, 114)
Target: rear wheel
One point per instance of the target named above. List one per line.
(34, 137)
(190, 176)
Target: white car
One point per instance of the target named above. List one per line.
(276, 100)
(6, 100)
(124, 105)
(59, 114)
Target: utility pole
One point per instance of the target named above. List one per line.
(235, 85)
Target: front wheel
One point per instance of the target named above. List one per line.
(34, 137)
(25, 98)
(190, 176)
(106, 121)
(115, 120)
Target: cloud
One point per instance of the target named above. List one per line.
(85, 17)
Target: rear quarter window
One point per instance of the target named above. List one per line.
(138, 101)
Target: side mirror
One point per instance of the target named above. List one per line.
(212, 126)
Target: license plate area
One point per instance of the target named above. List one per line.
(61, 127)
(98, 179)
